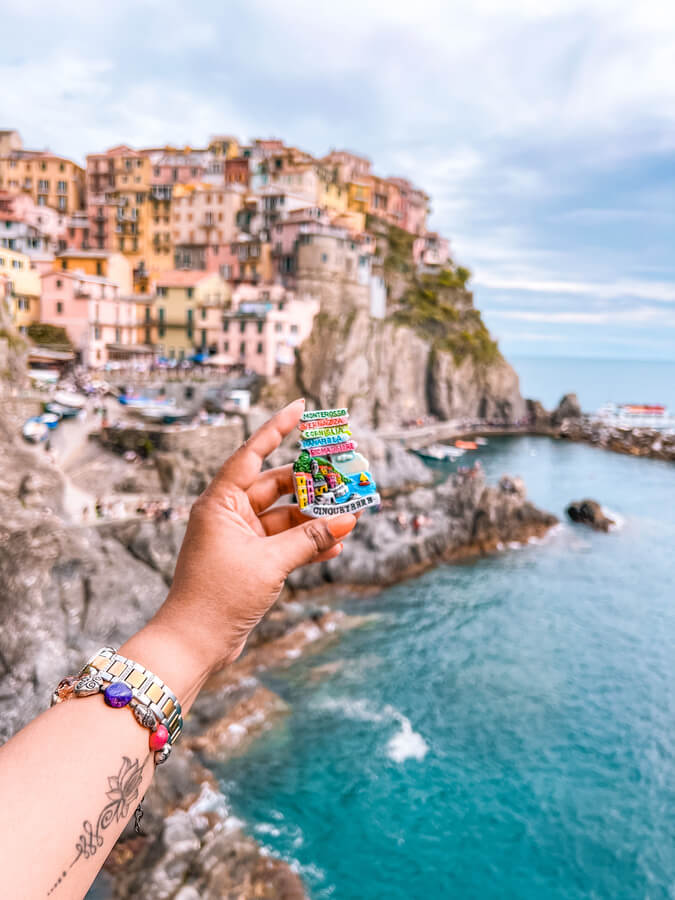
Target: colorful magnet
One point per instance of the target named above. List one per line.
(330, 476)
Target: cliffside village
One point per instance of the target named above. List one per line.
(221, 255)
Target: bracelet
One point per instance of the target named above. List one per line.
(124, 682)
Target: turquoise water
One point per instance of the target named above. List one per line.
(596, 381)
(502, 729)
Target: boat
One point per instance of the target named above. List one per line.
(50, 419)
(174, 415)
(466, 445)
(634, 415)
(481, 441)
(64, 412)
(34, 430)
(70, 399)
(166, 414)
(439, 453)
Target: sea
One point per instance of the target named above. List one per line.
(596, 381)
(503, 728)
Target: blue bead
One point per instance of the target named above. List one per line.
(117, 694)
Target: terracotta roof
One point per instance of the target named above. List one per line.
(182, 277)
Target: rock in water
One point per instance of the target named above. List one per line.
(568, 408)
(589, 512)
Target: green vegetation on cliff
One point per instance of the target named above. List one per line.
(49, 336)
(437, 305)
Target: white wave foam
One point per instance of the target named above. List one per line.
(405, 744)
(619, 520)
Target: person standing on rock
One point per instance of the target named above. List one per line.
(72, 778)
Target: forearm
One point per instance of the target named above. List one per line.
(62, 808)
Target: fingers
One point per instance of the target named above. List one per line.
(243, 467)
(269, 486)
(281, 518)
(304, 543)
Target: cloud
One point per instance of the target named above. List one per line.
(646, 290)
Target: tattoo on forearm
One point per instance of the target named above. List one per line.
(123, 790)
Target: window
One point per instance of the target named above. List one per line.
(260, 347)
(147, 336)
(117, 335)
(42, 200)
(203, 337)
(226, 325)
(226, 347)
(161, 321)
(190, 292)
(162, 292)
(59, 307)
(61, 187)
(278, 328)
(62, 202)
(97, 333)
(189, 316)
(99, 267)
(147, 313)
(203, 312)
(294, 329)
(59, 283)
(242, 348)
(260, 327)
(242, 327)
(324, 257)
(43, 186)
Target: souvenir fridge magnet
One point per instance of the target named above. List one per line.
(330, 476)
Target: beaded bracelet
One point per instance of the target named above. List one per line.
(124, 682)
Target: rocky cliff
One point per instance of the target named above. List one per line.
(432, 354)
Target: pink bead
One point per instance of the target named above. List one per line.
(159, 738)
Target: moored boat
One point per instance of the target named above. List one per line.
(64, 412)
(69, 399)
(50, 419)
(439, 453)
(466, 445)
(34, 430)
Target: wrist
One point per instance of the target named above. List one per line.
(161, 649)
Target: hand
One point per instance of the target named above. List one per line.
(237, 551)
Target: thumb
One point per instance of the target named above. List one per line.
(302, 544)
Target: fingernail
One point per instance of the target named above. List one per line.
(341, 525)
(293, 402)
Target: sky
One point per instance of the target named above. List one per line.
(546, 137)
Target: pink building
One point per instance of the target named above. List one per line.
(431, 250)
(264, 326)
(413, 206)
(350, 166)
(35, 229)
(203, 220)
(171, 166)
(100, 323)
(77, 232)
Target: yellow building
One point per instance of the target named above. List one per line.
(184, 301)
(50, 180)
(25, 287)
(333, 196)
(360, 194)
(146, 318)
(224, 145)
(303, 488)
(105, 263)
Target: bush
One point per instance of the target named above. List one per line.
(49, 335)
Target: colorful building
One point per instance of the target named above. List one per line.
(22, 287)
(203, 219)
(184, 298)
(103, 263)
(264, 326)
(99, 321)
(304, 488)
(51, 180)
